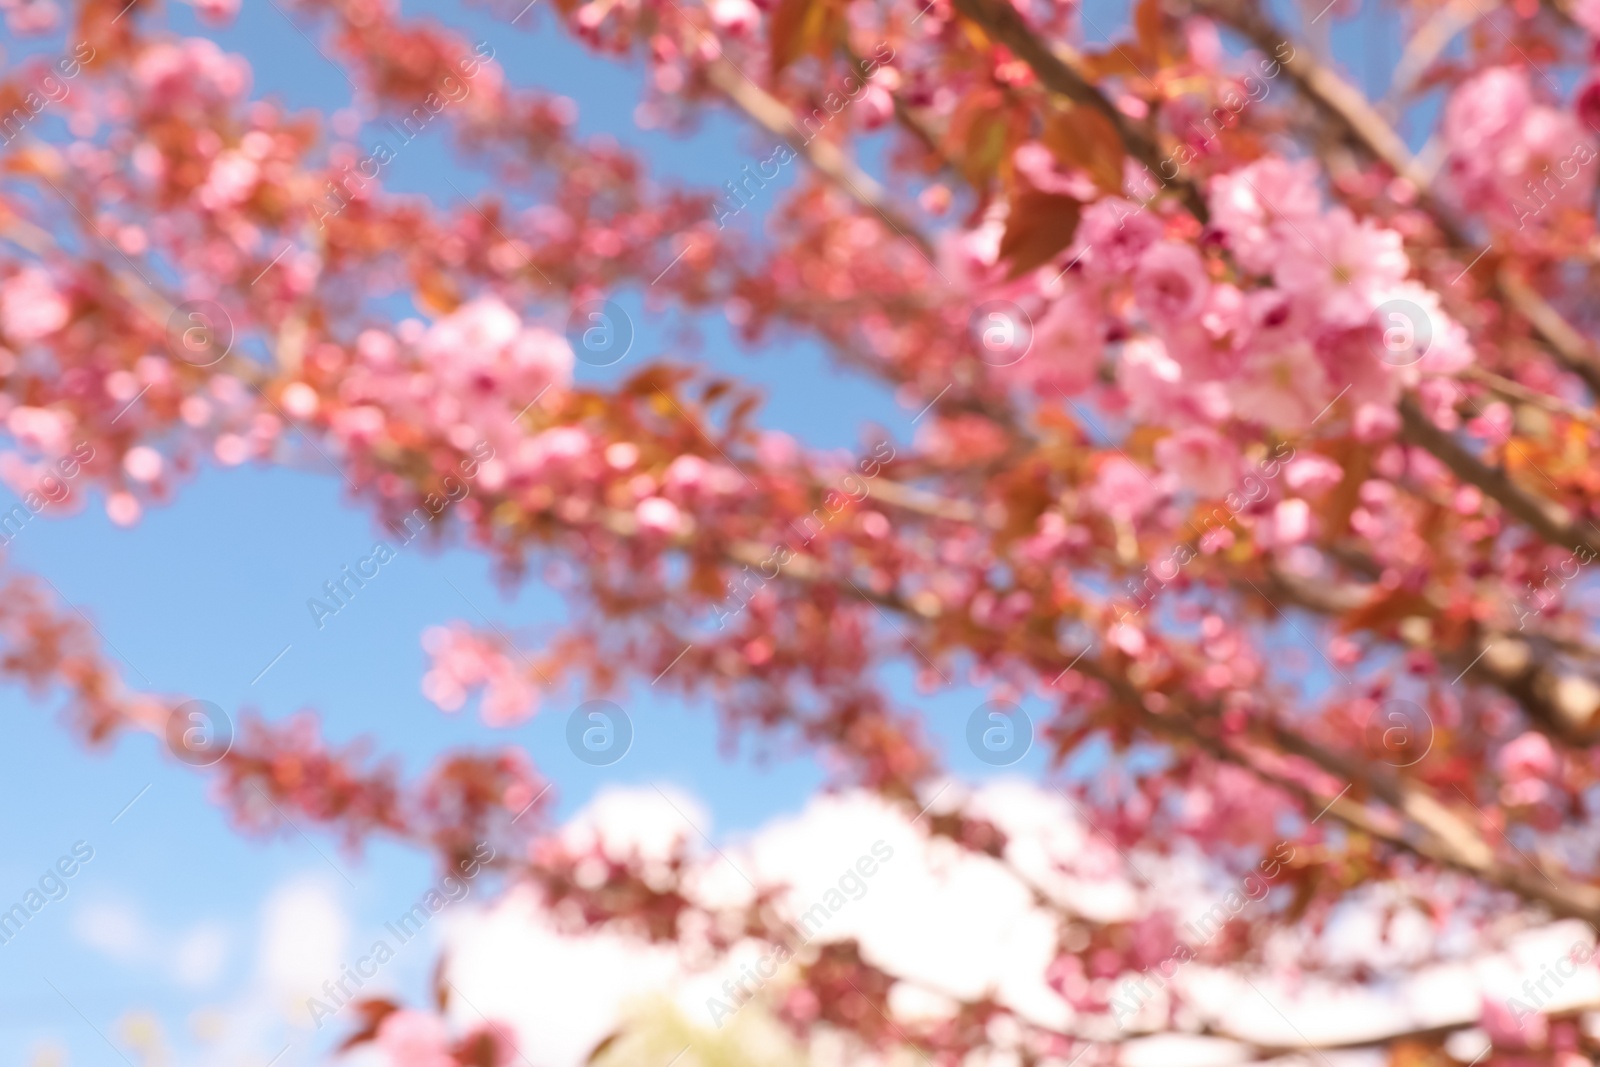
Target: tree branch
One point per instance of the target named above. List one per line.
(1001, 21)
(1362, 123)
(775, 117)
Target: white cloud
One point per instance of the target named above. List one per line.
(200, 954)
(647, 822)
(114, 927)
(303, 931)
(560, 995)
(303, 937)
(947, 921)
(118, 928)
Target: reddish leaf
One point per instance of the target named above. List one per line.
(600, 1049)
(801, 27)
(1113, 62)
(372, 1013)
(1147, 24)
(1085, 138)
(1039, 227)
(441, 985)
(979, 134)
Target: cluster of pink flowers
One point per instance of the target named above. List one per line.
(31, 306)
(1519, 162)
(470, 375)
(484, 356)
(1527, 764)
(188, 77)
(26, 18)
(1309, 306)
(462, 661)
(1284, 352)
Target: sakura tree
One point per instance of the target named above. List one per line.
(1212, 356)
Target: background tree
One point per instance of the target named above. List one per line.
(1213, 356)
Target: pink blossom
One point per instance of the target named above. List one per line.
(1510, 1027)
(31, 307)
(231, 449)
(1312, 474)
(1208, 346)
(26, 18)
(1200, 459)
(543, 355)
(123, 508)
(508, 700)
(492, 475)
(232, 179)
(1128, 638)
(735, 17)
(1291, 522)
(1275, 318)
(1114, 233)
(462, 661)
(217, 12)
(189, 76)
(1553, 162)
(1587, 101)
(1523, 792)
(564, 443)
(472, 332)
(142, 463)
(1150, 377)
(1356, 374)
(482, 357)
(24, 477)
(1041, 168)
(1226, 313)
(1494, 423)
(1170, 283)
(414, 1039)
(122, 386)
(359, 425)
(1122, 490)
(968, 255)
(622, 455)
(1529, 756)
(658, 514)
(1342, 266)
(687, 473)
(1486, 108)
(1282, 388)
(1438, 398)
(300, 400)
(777, 449)
(1375, 422)
(41, 429)
(1158, 390)
(376, 348)
(1205, 43)
(1204, 357)
(875, 107)
(935, 199)
(1068, 346)
(1520, 162)
(1257, 207)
